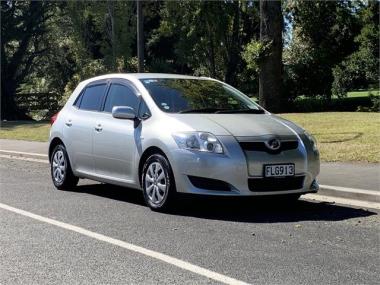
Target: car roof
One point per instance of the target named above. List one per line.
(140, 76)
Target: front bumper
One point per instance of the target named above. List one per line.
(237, 167)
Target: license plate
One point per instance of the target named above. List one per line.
(279, 170)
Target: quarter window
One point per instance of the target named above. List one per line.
(92, 97)
(120, 95)
(144, 112)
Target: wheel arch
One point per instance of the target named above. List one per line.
(148, 152)
(54, 142)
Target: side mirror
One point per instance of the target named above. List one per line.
(123, 112)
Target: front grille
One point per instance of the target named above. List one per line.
(275, 184)
(209, 184)
(260, 146)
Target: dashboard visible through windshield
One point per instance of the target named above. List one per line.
(182, 95)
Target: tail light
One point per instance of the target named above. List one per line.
(54, 118)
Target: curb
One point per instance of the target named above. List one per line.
(349, 193)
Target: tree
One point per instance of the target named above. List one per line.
(22, 28)
(323, 35)
(361, 68)
(205, 37)
(270, 78)
(103, 38)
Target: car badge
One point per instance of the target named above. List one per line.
(273, 144)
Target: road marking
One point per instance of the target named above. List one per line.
(351, 190)
(26, 153)
(343, 201)
(135, 248)
(24, 158)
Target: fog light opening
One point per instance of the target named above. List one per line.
(314, 187)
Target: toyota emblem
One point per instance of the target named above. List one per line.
(273, 144)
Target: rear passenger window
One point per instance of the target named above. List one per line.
(92, 97)
(120, 95)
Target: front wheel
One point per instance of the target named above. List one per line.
(61, 173)
(158, 183)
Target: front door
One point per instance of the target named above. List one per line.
(115, 139)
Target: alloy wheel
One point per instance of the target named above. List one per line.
(59, 166)
(155, 183)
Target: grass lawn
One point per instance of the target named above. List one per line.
(364, 93)
(351, 136)
(25, 130)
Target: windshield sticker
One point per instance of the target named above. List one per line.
(147, 81)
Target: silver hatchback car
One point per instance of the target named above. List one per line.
(167, 134)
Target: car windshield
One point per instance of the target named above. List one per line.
(178, 95)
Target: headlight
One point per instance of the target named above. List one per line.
(200, 141)
(312, 140)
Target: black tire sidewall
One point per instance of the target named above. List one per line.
(69, 178)
(164, 204)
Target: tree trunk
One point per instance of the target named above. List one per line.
(140, 36)
(234, 48)
(9, 108)
(111, 13)
(270, 78)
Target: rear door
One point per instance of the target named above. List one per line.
(80, 123)
(115, 140)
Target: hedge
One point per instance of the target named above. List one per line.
(349, 104)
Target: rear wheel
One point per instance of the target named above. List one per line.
(158, 183)
(61, 172)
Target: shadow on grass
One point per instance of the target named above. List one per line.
(249, 210)
(351, 136)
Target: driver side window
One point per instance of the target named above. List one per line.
(120, 95)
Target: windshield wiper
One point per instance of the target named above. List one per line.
(202, 110)
(243, 111)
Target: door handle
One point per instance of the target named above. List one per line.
(69, 123)
(99, 128)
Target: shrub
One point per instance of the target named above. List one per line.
(350, 104)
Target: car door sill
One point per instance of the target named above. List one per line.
(108, 179)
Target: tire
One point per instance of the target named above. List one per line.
(158, 183)
(60, 169)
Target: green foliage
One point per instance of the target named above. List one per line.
(23, 27)
(205, 37)
(90, 69)
(253, 52)
(323, 35)
(335, 104)
(360, 68)
(50, 46)
(375, 106)
(375, 103)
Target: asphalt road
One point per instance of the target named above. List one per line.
(364, 176)
(259, 242)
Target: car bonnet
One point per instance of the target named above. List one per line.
(239, 125)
